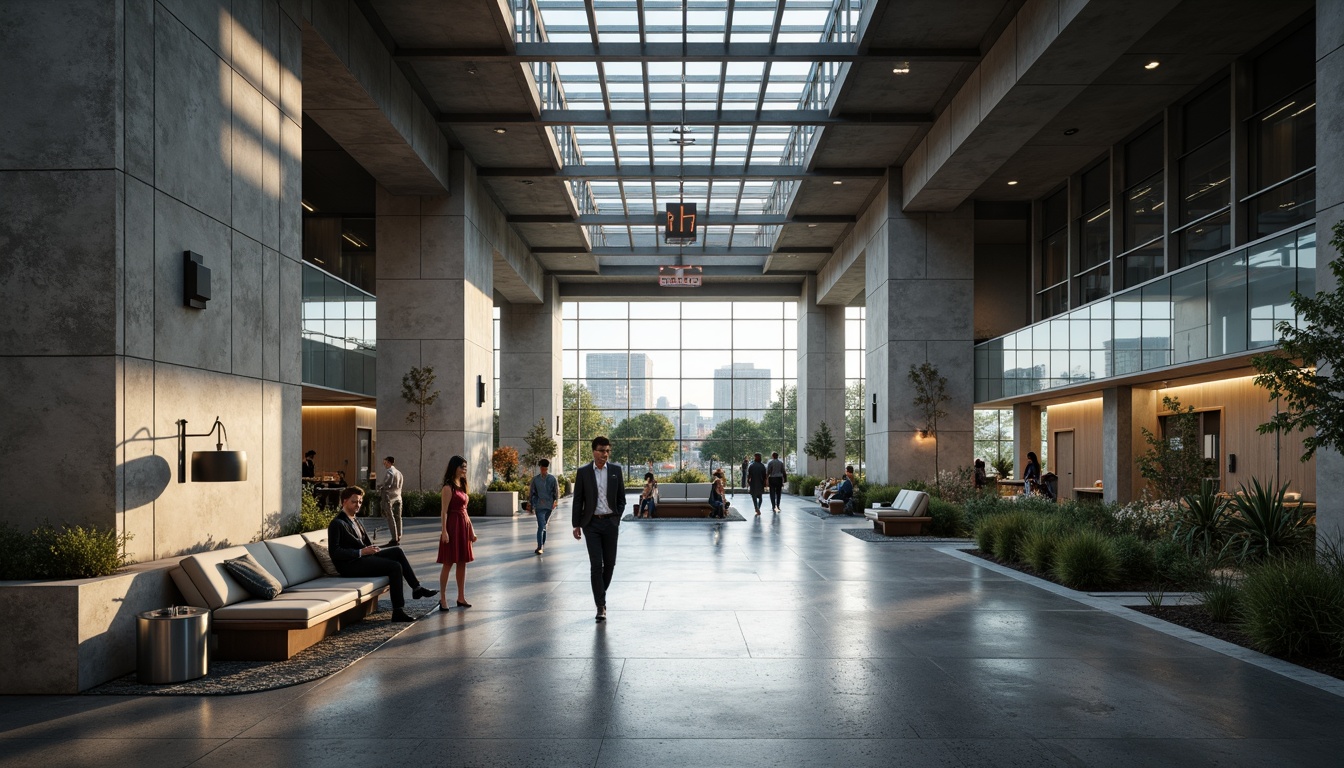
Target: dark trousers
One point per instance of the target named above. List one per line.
(600, 536)
(391, 563)
(776, 491)
(756, 500)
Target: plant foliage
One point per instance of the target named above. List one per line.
(417, 389)
(540, 445)
(1174, 463)
(1264, 526)
(930, 394)
(1086, 559)
(1202, 522)
(821, 446)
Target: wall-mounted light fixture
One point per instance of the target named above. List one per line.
(874, 408)
(217, 466)
(480, 392)
(195, 280)
(557, 425)
(924, 434)
(1231, 462)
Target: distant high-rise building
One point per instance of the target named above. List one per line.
(662, 404)
(741, 387)
(620, 381)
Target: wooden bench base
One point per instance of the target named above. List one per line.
(278, 641)
(683, 508)
(901, 526)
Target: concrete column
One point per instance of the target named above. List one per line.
(435, 309)
(134, 133)
(1329, 211)
(1026, 435)
(530, 347)
(1117, 444)
(920, 288)
(821, 378)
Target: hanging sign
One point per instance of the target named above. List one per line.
(680, 277)
(680, 227)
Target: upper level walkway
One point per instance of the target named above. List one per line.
(779, 640)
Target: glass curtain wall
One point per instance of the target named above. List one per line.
(680, 384)
(857, 411)
(339, 334)
(993, 441)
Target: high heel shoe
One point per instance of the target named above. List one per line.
(443, 606)
(461, 604)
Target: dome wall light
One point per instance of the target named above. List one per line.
(1154, 64)
(837, 182)
(1012, 183)
(501, 130)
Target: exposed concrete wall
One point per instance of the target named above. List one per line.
(1002, 289)
(1117, 444)
(135, 130)
(920, 297)
(821, 378)
(436, 259)
(530, 367)
(1330, 210)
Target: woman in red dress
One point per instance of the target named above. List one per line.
(456, 535)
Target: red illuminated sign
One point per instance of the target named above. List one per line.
(680, 226)
(680, 277)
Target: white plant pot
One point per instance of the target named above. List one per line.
(501, 503)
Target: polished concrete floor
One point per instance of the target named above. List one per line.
(779, 641)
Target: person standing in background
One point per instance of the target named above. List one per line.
(774, 474)
(755, 482)
(309, 466)
(389, 492)
(542, 494)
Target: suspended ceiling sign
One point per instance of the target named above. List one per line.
(680, 226)
(680, 277)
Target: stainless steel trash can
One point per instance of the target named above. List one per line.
(172, 644)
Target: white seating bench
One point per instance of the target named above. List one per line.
(907, 515)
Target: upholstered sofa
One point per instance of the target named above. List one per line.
(310, 606)
(907, 515)
(680, 500)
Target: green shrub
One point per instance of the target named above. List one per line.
(421, 504)
(1013, 526)
(881, 494)
(1222, 600)
(1293, 607)
(1041, 540)
(520, 486)
(804, 485)
(68, 552)
(1086, 559)
(980, 507)
(1175, 565)
(311, 517)
(948, 519)
(986, 530)
(476, 505)
(687, 476)
(1149, 520)
(1137, 562)
(1263, 526)
(1201, 523)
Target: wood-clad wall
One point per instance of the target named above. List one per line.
(1084, 419)
(1244, 406)
(1264, 457)
(331, 430)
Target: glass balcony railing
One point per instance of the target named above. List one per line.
(1227, 305)
(339, 334)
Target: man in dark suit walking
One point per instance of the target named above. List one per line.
(599, 502)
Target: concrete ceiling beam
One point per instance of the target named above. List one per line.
(677, 52)
(655, 218)
(692, 172)
(692, 117)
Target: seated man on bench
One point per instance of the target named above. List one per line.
(842, 492)
(355, 555)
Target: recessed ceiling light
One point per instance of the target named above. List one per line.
(501, 130)
(901, 69)
(307, 206)
(1152, 64)
(811, 226)
(1070, 131)
(837, 182)
(1012, 183)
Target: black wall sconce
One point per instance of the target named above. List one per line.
(1231, 462)
(874, 409)
(480, 392)
(195, 280)
(217, 466)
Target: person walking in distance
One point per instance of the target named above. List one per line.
(774, 474)
(599, 502)
(389, 492)
(755, 482)
(542, 493)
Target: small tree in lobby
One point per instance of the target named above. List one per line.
(417, 389)
(1306, 372)
(1175, 462)
(540, 445)
(821, 446)
(930, 394)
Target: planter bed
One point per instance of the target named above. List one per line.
(1124, 586)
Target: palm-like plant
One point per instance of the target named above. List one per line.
(1264, 526)
(1202, 526)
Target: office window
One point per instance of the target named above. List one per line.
(1283, 136)
(1093, 280)
(1053, 297)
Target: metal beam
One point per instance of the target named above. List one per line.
(690, 252)
(693, 117)
(692, 172)
(654, 218)
(676, 52)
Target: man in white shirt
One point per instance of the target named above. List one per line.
(599, 502)
(390, 492)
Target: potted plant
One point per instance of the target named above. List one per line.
(501, 496)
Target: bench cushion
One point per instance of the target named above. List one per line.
(190, 594)
(671, 491)
(297, 563)
(217, 587)
(698, 490)
(364, 585)
(290, 606)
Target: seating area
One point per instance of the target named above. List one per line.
(312, 604)
(683, 500)
(906, 516)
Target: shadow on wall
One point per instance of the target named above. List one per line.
(146, 479)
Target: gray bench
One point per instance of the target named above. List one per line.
(907, 515)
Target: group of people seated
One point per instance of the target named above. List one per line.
(840, 490)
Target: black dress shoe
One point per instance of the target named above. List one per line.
(420, 592)
(602, 613)
(402, 616)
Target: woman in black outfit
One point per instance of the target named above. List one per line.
(1031, 474)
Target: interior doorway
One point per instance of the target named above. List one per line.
(1063, 455)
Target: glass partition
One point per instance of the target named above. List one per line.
(339, 334)
(1228, 305)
